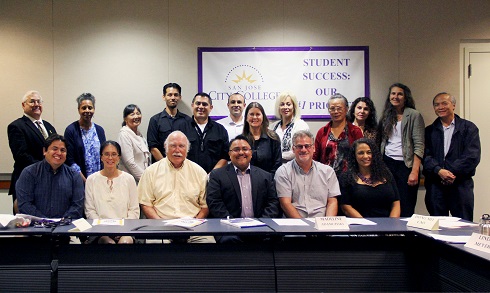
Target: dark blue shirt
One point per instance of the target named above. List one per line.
(161, 125)
(207, 147)
(45, 193)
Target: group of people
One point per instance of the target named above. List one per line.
(242, 166)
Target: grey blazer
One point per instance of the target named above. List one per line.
(413, 136)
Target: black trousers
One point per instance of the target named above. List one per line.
(408, 194)
(457, 198)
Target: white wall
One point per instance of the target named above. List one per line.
(125, 51)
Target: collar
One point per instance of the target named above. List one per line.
(237, 171)
(165, 114)
(48, 167)
(33, 120)
(298, 168)
(172, 166)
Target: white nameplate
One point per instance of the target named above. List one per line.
(479, 242)
(331, 223)
(423, 222)
(80, 225)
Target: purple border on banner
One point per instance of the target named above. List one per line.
(367, 92)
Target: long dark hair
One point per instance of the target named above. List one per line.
(388, 120)
(379, 171)
(264, 128)
(371, 120)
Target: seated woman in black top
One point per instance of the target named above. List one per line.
(368, 188)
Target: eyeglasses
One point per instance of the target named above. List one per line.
(301, 146)
(34, 102)
(52, 224)
(335, 109)
(109, 155)
(237, 150)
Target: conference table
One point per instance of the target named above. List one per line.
(388, 256)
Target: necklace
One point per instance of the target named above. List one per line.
(368, 181)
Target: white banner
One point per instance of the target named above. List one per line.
(261, 74)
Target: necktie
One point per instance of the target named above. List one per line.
(43, 132)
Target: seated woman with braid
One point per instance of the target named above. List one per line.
(368, 188)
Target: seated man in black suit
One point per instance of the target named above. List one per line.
(241, 190)
(27, 136)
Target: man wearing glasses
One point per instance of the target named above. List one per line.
(49, 188)
(27, 136)
(306, 188)
(240, 190)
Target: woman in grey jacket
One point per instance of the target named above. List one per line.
(402, 143)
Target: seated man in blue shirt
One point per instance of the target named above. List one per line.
(50, 189)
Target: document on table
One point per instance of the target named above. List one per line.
(455, 224)
(360, 221)
(352, 221)
(290, 222)
(451, 239)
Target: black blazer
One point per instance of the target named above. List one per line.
(26, 143)
(224, 196)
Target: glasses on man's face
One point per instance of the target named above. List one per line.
(110, 155)
(238, 150)
(335, 109)
(301, 146)
(34, 102)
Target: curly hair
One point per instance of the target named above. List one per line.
(388, 119)
(379, 171)
(264, 128)
(371, 120)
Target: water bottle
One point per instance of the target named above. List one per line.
(485, 224)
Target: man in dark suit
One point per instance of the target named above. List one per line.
(27, 135)
(241, 190)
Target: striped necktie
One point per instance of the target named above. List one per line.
(43, 132)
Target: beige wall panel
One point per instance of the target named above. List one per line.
(348, 23)
(216, 23)
(116, 50)
(430, 34)
(26, 63)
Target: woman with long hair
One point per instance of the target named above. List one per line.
(266, 145)
(368, 188)
(287, 111)
(362, 114)
(401, 131)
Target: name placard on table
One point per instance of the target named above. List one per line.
(331, 223)
(423, 222)
(479, 242)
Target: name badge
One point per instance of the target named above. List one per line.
(423, 222)
(479, 242)
(331, 223)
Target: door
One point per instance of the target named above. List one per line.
(476, 109)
